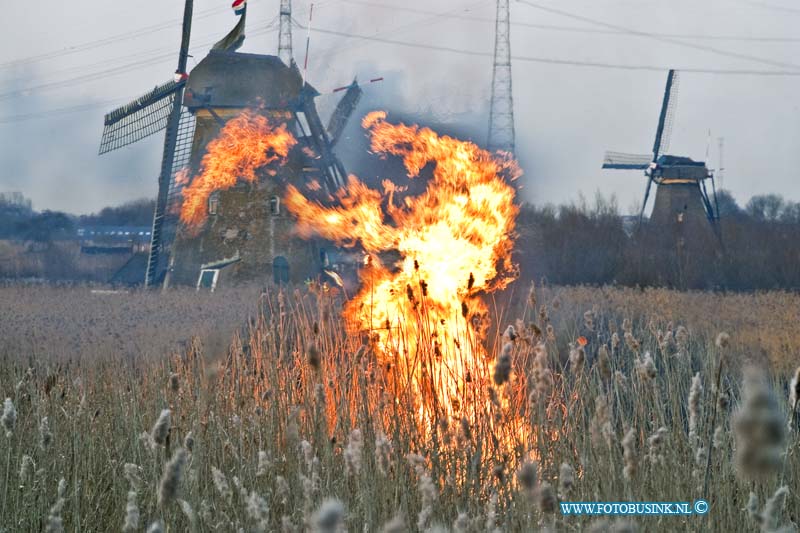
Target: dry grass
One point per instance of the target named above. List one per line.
(762, 325)
(299, 426)
(82, 324)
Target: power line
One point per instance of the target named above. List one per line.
(153, 52)
(167, 55)
(773, 7)
(556, 61)
(164, 57)
(113, 71)
(374, 38)
(435, 16)
(60, 111)
(530, 59)
(573, 29)
(133, 34)
(669, 40)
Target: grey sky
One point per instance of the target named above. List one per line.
(566, 116)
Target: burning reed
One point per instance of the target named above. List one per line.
(264, 437)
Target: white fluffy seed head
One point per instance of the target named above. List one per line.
(133, 475)
(655, 446)
(26, 469)
(577, 358)
(794, 390)
(132, 513)
(156, 527)
(263, 464)
(353, 452)
(160, 430)
(752, 508)
(9, 418)
(329, 517)
(188, 442)
(604, 362)
(173, 473)
(383, 453)
(395, 525)
(55, 524)
(502, 368)
(566, 479)
(646, 367)
(542, 375)
(629, 454)
(695, 397)
(760, 429)
(45, 435)
(221, 484)
(773, 509)
(723, 340)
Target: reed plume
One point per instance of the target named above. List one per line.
(759, 429)
(160, 430)
(173, 472)
(9, 418)
(329, 517)
(132, 513)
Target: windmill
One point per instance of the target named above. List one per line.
(682, 200)
(193, 108)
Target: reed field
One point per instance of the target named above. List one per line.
(255, 409)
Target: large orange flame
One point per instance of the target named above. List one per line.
(454, 240)
(245, 144)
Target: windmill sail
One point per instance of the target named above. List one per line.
(180, 162)
(344, 109)
(155, 111)
(671, 110)
(666, 116)
(141, 118)
(178, 180)
(620, 160)
(156, 261)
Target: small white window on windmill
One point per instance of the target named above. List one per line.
(208, 279)
(275, 206)
(213, 203)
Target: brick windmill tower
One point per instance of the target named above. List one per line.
(246, 235)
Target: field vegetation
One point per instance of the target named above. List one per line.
(257, 410)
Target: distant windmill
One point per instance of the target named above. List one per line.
(681, 195)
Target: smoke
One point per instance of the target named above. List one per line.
(53, 159)
(566, 116)
(396, 95)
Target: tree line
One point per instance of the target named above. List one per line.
(581, 243)
(20, 222)
(591, 243)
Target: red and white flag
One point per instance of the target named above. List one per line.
(239, 6)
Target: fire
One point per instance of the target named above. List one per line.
(245, 144)
(454, 241)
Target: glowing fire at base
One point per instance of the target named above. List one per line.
(245, 144)
(455, 242)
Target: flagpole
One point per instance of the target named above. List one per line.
(308, 42)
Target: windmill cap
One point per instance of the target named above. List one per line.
(675, 160)
(236, 80)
